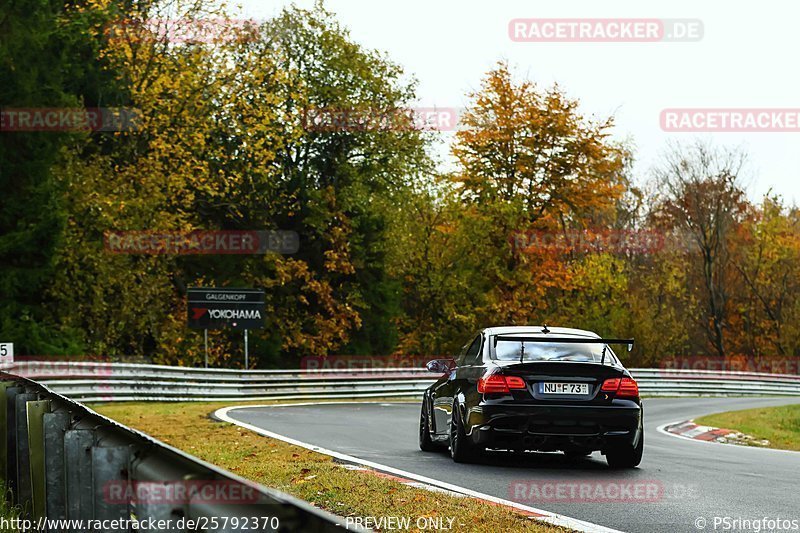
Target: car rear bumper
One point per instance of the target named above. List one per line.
(554, 427)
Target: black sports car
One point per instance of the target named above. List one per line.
(533, 388)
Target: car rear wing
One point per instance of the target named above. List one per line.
(561, 340)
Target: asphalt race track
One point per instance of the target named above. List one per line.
(696, 479)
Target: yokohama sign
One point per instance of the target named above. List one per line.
(226, 308)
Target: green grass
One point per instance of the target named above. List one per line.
(308, 475)
(8, 512)
(779, 425)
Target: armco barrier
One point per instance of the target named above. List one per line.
(120, 382)
(64, 461)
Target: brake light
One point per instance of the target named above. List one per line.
(492, 383)
(629, 388)
(498, 384)
(610, 385)
(624, 387)
(515, 382)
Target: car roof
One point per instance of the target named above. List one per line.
(537, 330)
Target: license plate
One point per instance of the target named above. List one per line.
(565, 388)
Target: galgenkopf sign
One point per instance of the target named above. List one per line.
(212, 308)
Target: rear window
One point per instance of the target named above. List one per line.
(541, 351)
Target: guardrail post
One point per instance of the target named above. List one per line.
(78, 461)
(109, 472)
(55, 425)
(4, 386)
(24, 489)
(38, 474)
(11, 439)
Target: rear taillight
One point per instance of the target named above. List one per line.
(624, 387)
(629, 388)
(498, 383)
(492, 383)
(610, 385)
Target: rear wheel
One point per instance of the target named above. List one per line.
(426, 444)
(626, 456)
(461, 449)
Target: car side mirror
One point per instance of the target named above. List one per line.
(441, 366)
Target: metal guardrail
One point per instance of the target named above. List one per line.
(90, 382)
(63, 461)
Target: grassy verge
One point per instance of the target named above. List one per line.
(313, 477)
(8, 512)
(779, 425)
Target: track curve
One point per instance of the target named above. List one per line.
(695, 479)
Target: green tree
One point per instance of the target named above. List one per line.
(48, 59)
(340, 181)
(221, 144)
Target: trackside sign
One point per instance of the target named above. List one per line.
(225, 308)
(6, 352)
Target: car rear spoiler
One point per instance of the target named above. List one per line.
(572, 340)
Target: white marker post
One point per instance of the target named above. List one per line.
(246, 355)
(205, 341)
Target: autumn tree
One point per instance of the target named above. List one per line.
(533, 149)
(767, 259)
(431, 257)
(339, 183)
(221, 144)
(702, 200)
(394, 256)
(529, 160)
(159, 174)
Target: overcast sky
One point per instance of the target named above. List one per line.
(747, 58)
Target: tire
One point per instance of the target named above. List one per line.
(461, 449)
(426, 444)
(626, 456)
